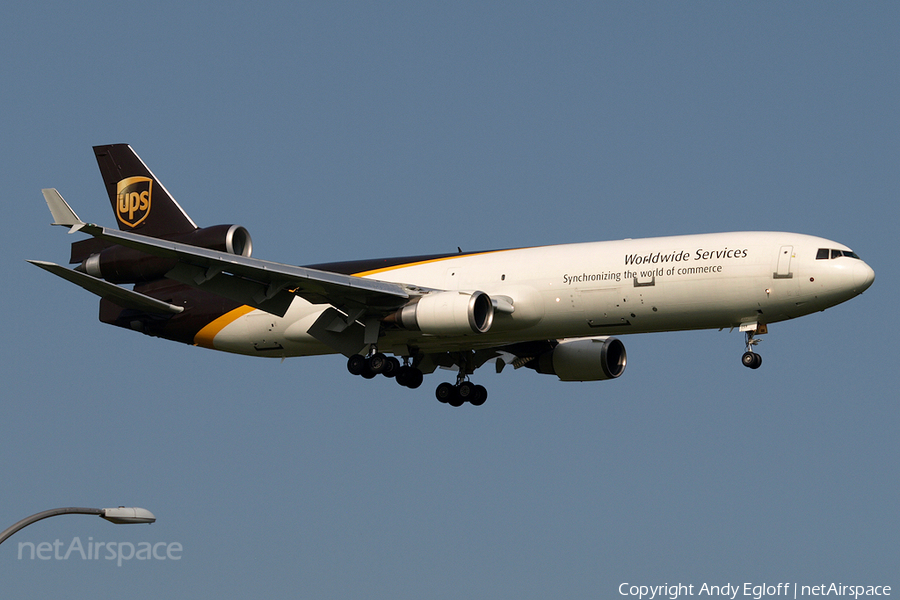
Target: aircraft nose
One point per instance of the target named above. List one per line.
(864, 276)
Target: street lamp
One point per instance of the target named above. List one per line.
(123, 515)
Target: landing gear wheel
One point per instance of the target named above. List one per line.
(466, 390)
(479, 396)
(445, 392)
(751, 360)
(456, 400)
(391, 367)
(415, 379)
(747, 359)
(409, 377)
(376, 362)
(356, 364)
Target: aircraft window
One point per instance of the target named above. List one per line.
(825, 253)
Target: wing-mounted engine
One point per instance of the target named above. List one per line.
(119, 264)
(585, 359)
(446, 313)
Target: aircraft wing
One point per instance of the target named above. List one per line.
(265, 285)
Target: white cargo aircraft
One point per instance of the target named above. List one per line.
(552, 309)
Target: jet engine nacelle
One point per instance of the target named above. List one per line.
(585, 359)
(447, 313)
(119, 264)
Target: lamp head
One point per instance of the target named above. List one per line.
(126, 515)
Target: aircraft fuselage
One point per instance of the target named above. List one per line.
(703, 281)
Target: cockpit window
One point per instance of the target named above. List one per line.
(826, 253)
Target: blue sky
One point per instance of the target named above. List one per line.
(352, 130)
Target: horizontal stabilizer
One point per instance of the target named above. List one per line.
(118, 295)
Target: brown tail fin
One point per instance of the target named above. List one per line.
(140, 202)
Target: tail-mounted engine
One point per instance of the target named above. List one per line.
(586, 359)
(118, 264)
(447, 313)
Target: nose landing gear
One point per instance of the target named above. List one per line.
(750, 358)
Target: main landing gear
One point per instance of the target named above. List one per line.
(455, 395)
(750, 358)
(462, 392)
(389, 366)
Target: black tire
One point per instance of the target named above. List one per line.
(456, 400)
(749, 359)
(466, 391)
(409, 377)
(356, 364)
(391, 367)
(445, 392)
(479, 397)
(416, 377)
(376, 362)
(757, 362)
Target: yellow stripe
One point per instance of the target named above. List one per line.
(403, 266)
(205, 336)
(425, 262)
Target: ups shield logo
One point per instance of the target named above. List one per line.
(133, 195)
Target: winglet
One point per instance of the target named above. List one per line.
(63, 214)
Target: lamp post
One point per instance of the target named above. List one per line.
(122, 515)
